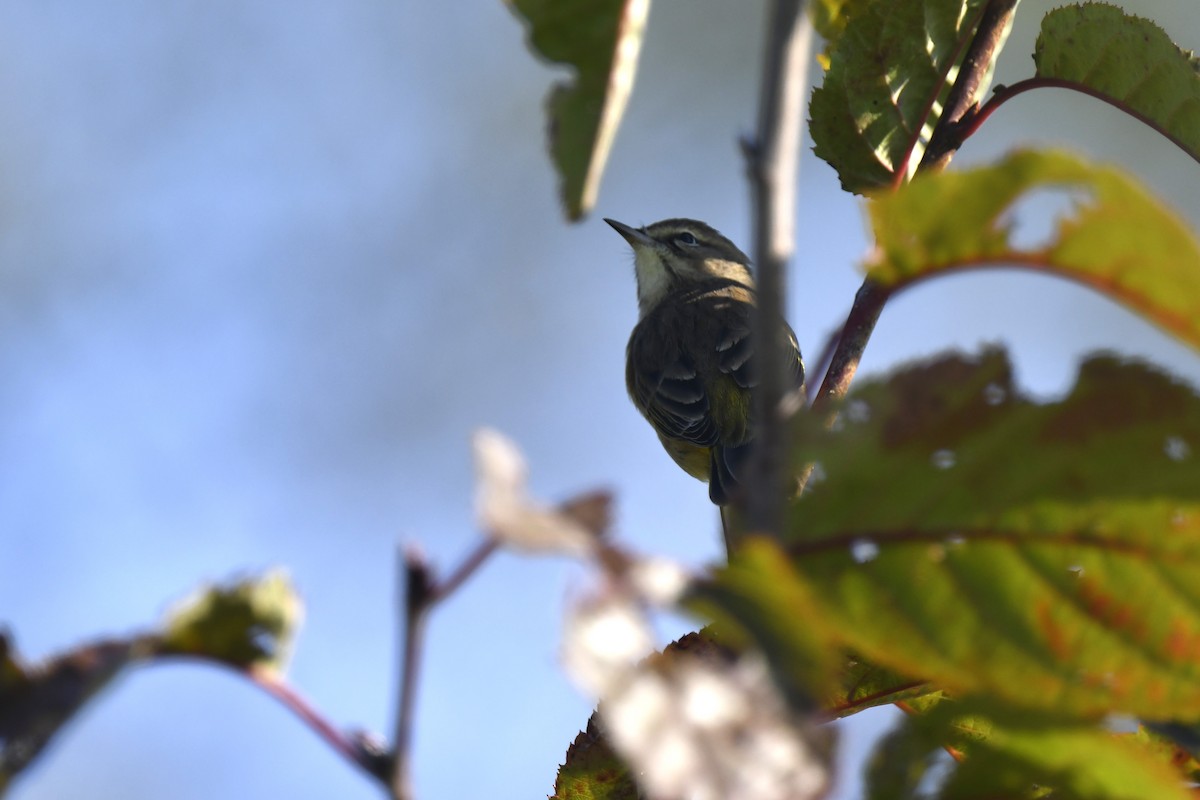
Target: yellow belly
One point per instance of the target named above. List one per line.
(694, 459)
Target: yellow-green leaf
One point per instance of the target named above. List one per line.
(1114, 237)
(600, 40)
(1127, 60)
(248, 624)
(1075, 761)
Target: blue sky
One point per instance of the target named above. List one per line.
(264, 269)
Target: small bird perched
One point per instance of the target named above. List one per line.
(690, 363)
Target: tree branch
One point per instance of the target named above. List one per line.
(945, 140)
(965, 94)
(344, 745)
(418, 594)
(772, 161)
(421, 593)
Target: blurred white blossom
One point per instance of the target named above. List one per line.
(695, 725)
(689, 726)
(508, 514)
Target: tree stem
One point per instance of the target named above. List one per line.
(421, 593)
(772, 165)
(945, 140)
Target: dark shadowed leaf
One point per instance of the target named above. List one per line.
(600, 40)
(36, 701)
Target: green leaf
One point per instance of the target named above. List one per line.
(1115, 238)
(600, 40)
(247, 625)
(1046, 555)
(592, 771)
(755, 603)
(1076, 761)
(889, 72)
(1013, 755)
(1128, 61)
(865, 685)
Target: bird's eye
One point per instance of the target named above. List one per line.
(686, 238)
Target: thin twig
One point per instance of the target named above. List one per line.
(1002, 94)
(421, 593)
(418, 592)
(298, 705)
(772, 161)
(345, 745)
(465, 570)
(945, 140)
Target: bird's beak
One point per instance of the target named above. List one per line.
(635, 236)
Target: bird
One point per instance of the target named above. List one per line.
(689, 366)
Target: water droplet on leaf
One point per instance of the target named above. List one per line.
(863, 550)
(994, 394)
(858, 411)
(1176, 448)
(943, 459)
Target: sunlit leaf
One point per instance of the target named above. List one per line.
(247, 624)
(1112, 235)
(600, 40)
(1072, 761)
(1047, 555)
(889, 72)
(866, 685)
(1009, 754)
(1167, 750)
(829, 19)
(1127, 60)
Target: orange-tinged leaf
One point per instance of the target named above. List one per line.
(1045, 556)
(1114, 236)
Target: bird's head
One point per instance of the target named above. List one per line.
(677, 253)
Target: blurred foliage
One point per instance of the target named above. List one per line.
(247, 625)
(36, 701)
(1009, 556)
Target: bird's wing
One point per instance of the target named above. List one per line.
(736, 354)
(671, 394)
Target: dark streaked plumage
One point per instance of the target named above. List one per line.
(690, 360)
